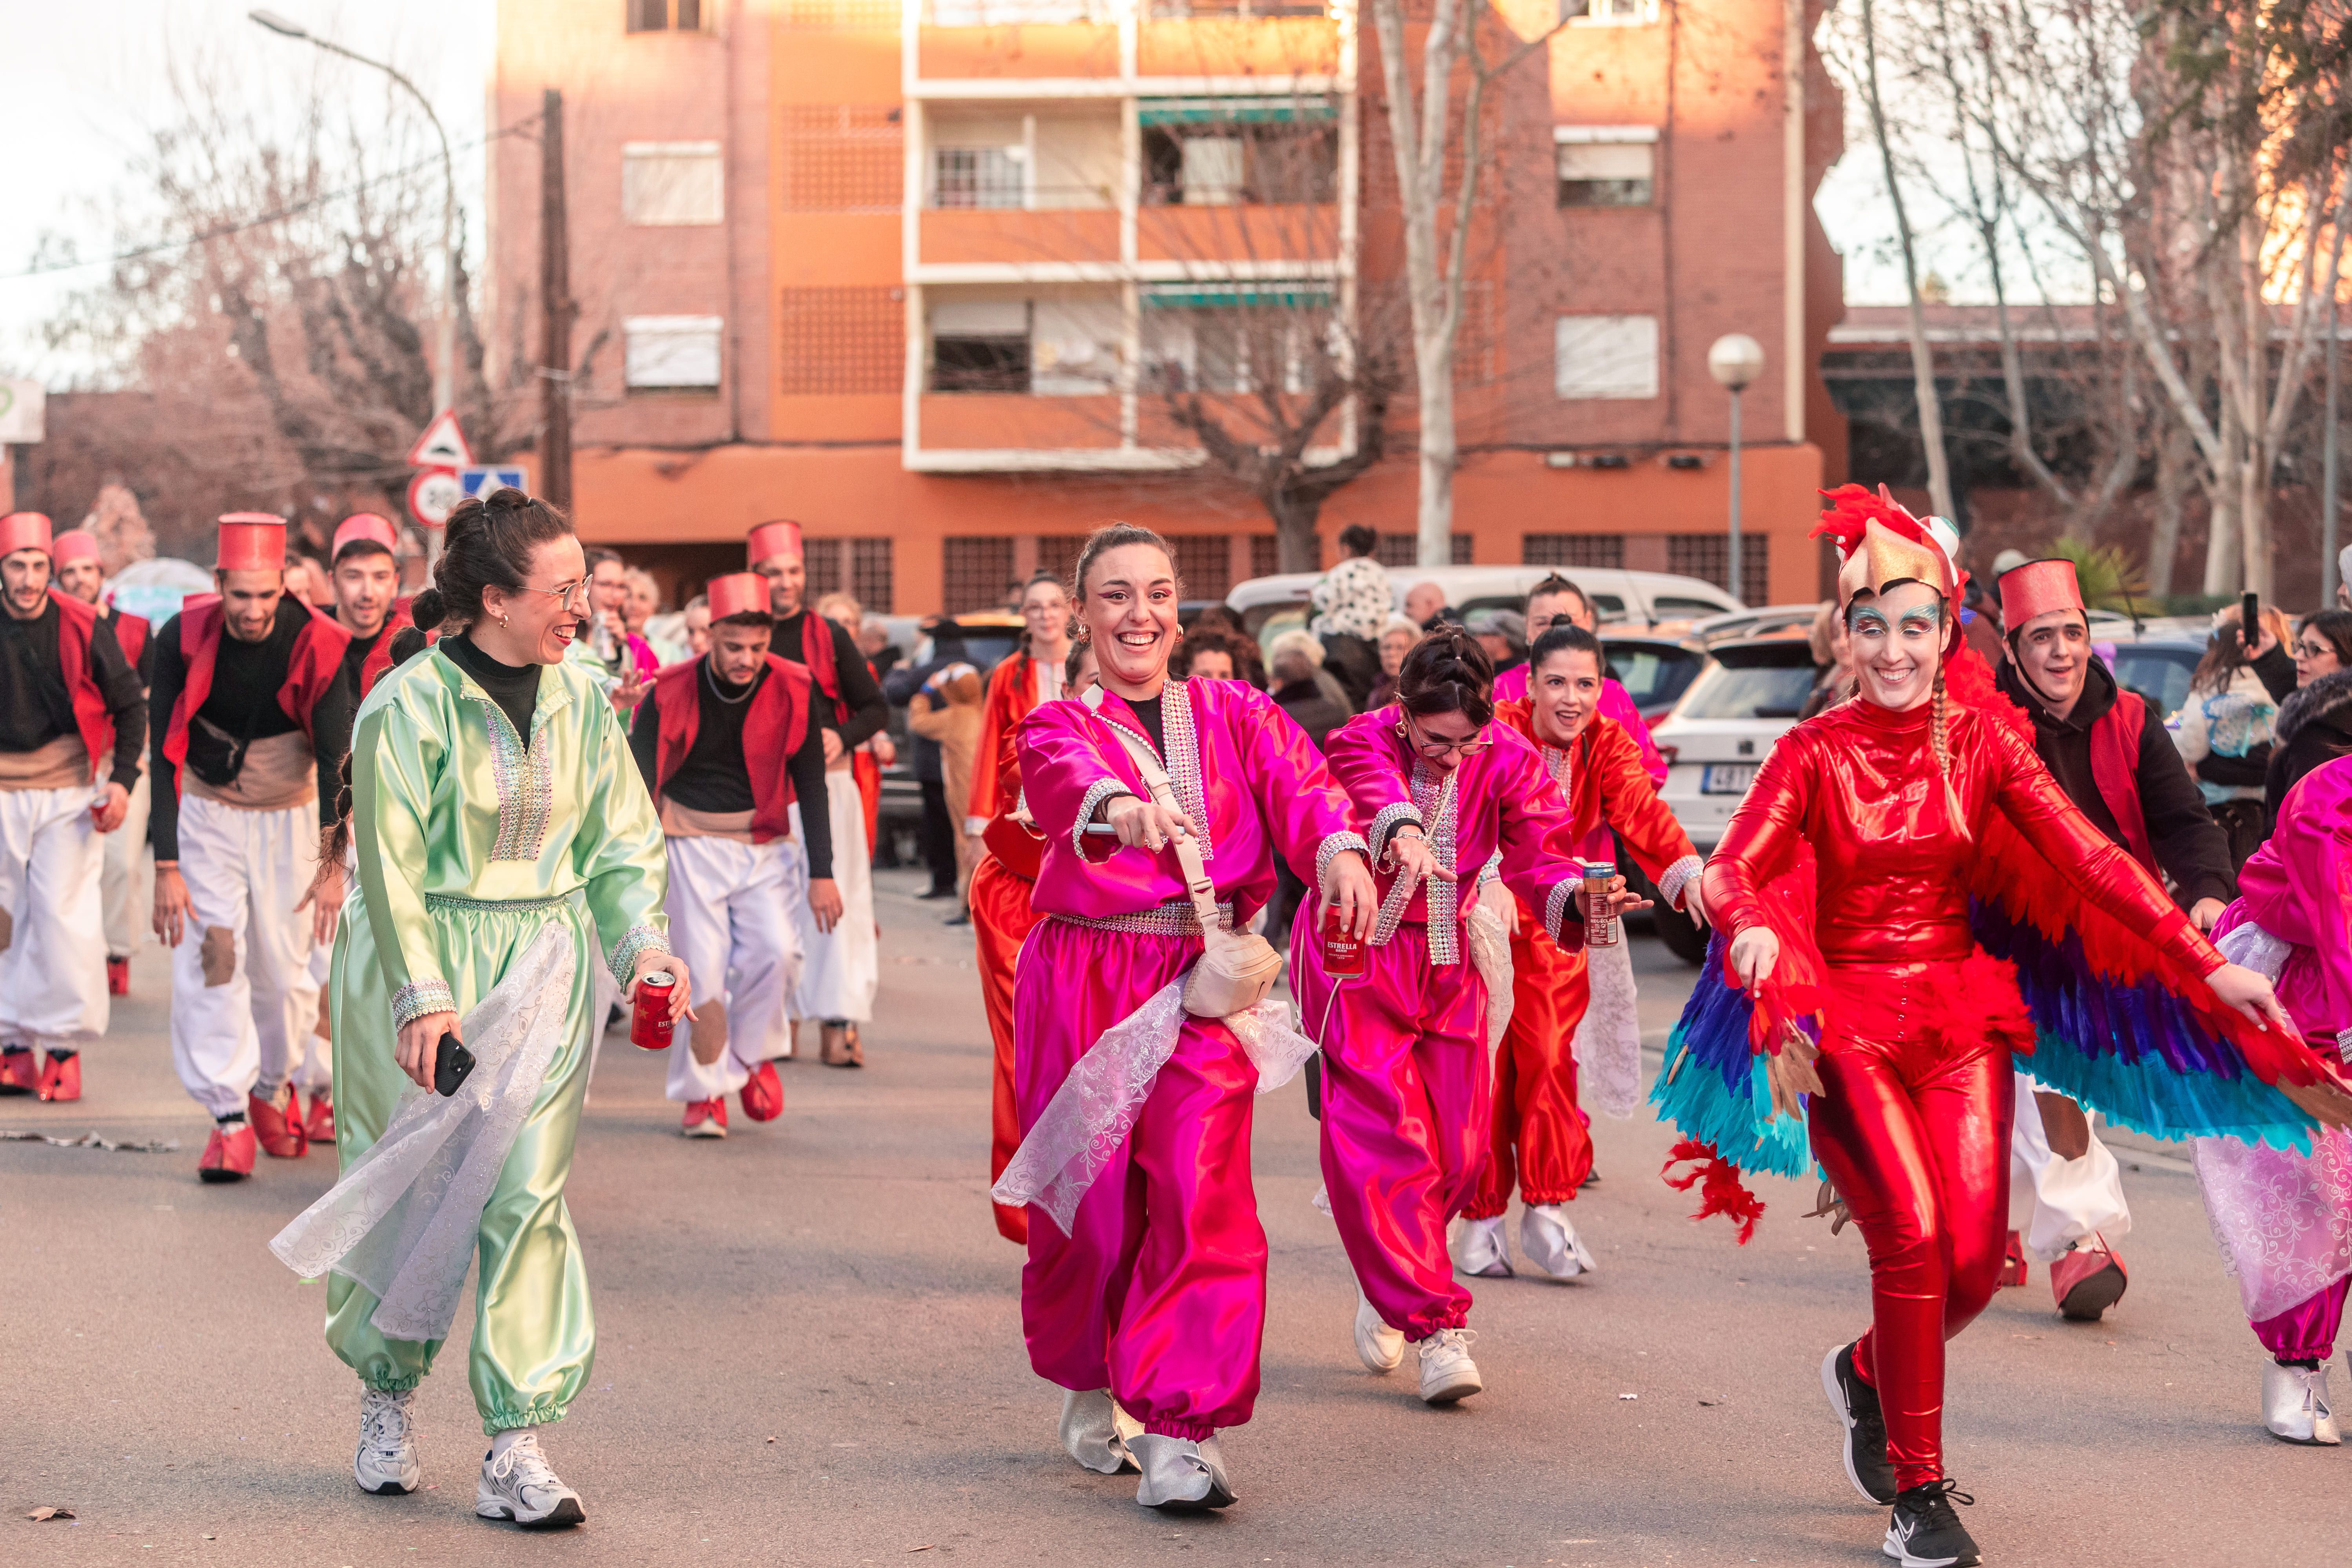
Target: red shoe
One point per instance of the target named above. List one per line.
(2012, 1263)
(2088, 1280)
(279, 1131)
(764, 1094)
(705, 1118)
(319, 1127)
(229, 1156)
(61, 1077)
(20, 1073)
(118, 977)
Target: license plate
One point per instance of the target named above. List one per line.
(1727, 778)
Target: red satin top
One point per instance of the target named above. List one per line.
(1859, 783)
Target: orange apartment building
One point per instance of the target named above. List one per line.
(908, 273)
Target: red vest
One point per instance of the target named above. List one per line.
(130, 631)
(379, 658)
(2115, 768)
(816, 652)
(774, 728)
(310, 669)
(76, 621)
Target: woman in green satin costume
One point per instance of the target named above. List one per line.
(491, 793)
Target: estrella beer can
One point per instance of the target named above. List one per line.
(1343, 951)
(649, 1018)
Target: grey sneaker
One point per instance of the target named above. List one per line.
(1181, 1476)
(521, 1485)
(387, 1461)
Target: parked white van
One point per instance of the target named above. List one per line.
(1640, 598)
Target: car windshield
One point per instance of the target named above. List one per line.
(1651, 675)
(1751, 683)
(2160, 674)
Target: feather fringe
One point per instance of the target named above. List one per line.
(1721, 1191)
(1715, 1089)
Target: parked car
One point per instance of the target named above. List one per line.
(1721, 730)
(1772, 620)
(1655, 670)
(1644, 598)
(2157, 667)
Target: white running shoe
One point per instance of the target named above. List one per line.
(1378, 1346)
(1550, 1239)
(2295, 1407)
(1181, 1476)
(387, 1461)
(521, 1485)
(1090, 1431)
(1447, 1373)
(1478, 1249)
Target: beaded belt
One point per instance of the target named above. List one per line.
(1168, 920)
(495, 906)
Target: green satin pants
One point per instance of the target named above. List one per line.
(534, 1333)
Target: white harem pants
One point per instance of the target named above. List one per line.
(245, 1008)
(2072, 1198)
(128, 886)
(843, 966)
(52, 952)
(728, 923)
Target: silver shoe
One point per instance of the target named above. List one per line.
(1476, 1245)
(1090, 1431)
(1551, 1244)
(387, 1461)
(1378, 1346)
(2295, 1404)
(1181, 1476)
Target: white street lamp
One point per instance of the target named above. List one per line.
(444, 370)
(1734, 359)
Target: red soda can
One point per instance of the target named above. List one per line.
(649, 1018)
(1343, 951)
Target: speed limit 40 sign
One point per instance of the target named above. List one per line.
(433, 494)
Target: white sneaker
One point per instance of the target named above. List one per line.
(1550, 1239)
(1090, 1431)
(1378, 1346)
(521, 1485)
(1181, 1476)
(1447, 1373)
(2295, 1406)
(1478, 1250)
(387, 1461)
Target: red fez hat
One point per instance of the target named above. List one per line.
(2037, 588)
(252, 541)
(365, 525)
(771, 539)
(24, 531)
(73, 544)
(738, 594)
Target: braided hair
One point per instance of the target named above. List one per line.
(1448, 672)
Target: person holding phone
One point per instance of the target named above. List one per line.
(492, 802)
(2225, 727)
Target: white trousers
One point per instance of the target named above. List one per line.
(127, 888)
(2072, 1198)
(244, 1005)
(53, 966)
(844, 964)
(728, 922)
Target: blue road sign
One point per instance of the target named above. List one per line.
(482, 481)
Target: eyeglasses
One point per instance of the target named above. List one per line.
(2310, 649)
(1434, 750)
(566, 592)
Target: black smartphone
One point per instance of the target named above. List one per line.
(2250, 622)
(451, 1062)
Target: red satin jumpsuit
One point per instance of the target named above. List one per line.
(1914, 1127)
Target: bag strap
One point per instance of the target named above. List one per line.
(1163, 792)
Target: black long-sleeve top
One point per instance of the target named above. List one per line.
(35, 706)
(869, 710)
(247, 677)
(145, 663)
(714, 776)
(2190, 846)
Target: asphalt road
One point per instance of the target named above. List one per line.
(810, 1354)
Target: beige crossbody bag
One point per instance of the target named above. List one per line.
(1237, 969)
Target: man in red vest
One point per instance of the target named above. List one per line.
(366, 565)
(2108, 750)
(80, 571)
(257, 710)
(727, 743)
(842, 966)
(70, 707)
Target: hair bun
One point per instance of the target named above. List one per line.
(428, 609)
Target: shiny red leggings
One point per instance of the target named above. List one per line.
(1914, 1133)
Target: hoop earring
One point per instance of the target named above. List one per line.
(505, 623)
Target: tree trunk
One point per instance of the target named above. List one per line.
(1923, 364)
(2172, 460)
(2223, 494)
(1298, 548)
(1439, 455)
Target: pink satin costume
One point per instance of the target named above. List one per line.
(1158, 1293)
(1913, 1128)
(1407, 1096)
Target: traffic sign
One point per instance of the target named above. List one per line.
(433, 495)
(482, 481)
(443, 444)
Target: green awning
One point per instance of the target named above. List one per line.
(1236, 297)
(1234, 110)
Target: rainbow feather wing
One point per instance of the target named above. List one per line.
(1714, 1089)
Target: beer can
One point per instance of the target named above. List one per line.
(1600, 932)
(649, 1018)
(1343, 951)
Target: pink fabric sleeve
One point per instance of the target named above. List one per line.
(1303, 804)
(1364, 758)
(1065, 774)
(2299, 887)
(1536, 836)
(1617, 704)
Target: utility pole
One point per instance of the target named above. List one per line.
(556, 296)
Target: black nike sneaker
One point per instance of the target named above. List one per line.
(1856, 1404)
(1925, 1533)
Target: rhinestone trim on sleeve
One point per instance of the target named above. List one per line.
(419, 999)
